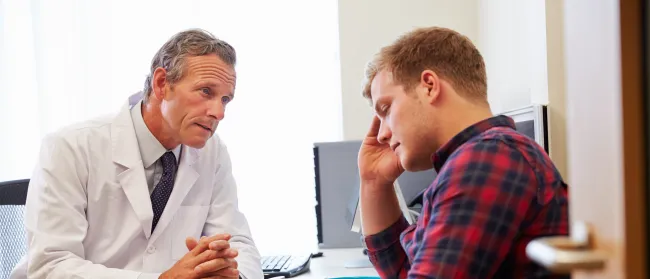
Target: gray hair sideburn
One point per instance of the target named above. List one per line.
(193, 42)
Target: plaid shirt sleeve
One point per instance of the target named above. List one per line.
(386, 253)
(470, 218)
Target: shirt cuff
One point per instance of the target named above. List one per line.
(386, 238)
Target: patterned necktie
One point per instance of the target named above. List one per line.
(163, 190)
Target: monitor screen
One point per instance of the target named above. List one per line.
(532, 122)
(527, 128)
(337, 191)
(408, 186)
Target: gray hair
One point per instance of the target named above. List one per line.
(192, 42)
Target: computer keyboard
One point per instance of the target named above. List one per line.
(285, 265)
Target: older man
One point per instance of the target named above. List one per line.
(148, 193)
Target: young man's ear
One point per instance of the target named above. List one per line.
(159, 80)
(430, 81)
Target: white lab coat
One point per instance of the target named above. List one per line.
(88, 211)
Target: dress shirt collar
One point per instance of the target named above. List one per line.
(150, 148)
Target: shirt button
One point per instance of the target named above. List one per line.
(151, 250)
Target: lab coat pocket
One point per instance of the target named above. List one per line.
(188, 222)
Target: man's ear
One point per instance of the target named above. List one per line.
(430, 82)
(159, 80)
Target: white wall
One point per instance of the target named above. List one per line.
(557, 134)
(512, 40)
(522, 44)
(367, 25)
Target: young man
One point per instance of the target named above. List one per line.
(496, 189)
(128, 196)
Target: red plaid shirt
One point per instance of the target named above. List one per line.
(495, 191)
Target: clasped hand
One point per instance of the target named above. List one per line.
(209, 257)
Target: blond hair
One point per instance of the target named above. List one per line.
(448, 53)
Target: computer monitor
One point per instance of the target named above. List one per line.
(337, 191)
(408, 187)
(532, 121)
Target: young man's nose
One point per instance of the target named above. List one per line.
(384, 134)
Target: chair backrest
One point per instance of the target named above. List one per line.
(13, 243)
(13, 192)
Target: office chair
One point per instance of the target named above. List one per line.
(12, 229)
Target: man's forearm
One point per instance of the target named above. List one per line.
(379, 207)
(69, 266)
(249, 259)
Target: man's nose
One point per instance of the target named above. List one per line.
(384, 134)
(217, 109)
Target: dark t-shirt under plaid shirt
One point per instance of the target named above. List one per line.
(495, 191)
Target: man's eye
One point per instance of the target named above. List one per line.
(205, 90)
(225, 99)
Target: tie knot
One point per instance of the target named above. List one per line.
(168, 161)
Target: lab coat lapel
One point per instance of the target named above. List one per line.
(131, 175)
(186, 176)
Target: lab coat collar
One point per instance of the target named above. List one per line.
(132, 177)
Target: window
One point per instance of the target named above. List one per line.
(67, 61)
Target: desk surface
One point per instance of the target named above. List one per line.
(332, 264)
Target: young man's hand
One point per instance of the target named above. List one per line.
(378, 164)
(379, 167)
